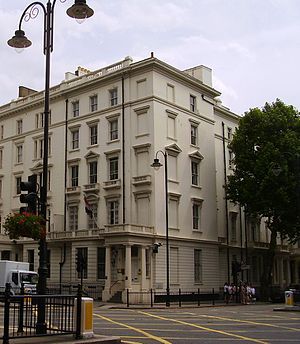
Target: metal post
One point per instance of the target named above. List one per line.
(6, 314)
(167, 230)
(78, 315)
(213, 296)
(21, 310)
(151, 297)
(179, 295)
(127, 295)
(157, 164)
(79, 11)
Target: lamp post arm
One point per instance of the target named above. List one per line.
(33, 13)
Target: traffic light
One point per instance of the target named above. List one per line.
(80, 262)
(31, 197)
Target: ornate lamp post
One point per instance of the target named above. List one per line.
(156, 164)
(80, 10)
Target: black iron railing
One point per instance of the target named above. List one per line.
(178, 297)
(21, 314)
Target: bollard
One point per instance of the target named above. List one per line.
(289, 298)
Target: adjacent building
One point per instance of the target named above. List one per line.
(105, 129)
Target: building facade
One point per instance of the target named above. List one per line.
(105, 129)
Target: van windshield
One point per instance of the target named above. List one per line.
(29, 278)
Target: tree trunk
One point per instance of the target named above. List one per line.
(266, 278)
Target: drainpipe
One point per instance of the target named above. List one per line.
(65, 195)
(226, 201)
(123, 151)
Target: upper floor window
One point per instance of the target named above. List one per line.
(1, 132)
(75, 108)
(74, 175)
(73, 217)
(19, 154)
(93, 168)
(93, 134)
(19, 126)
(233, 219)
(113, 129)
(113, 212)
(229, 133)
(113, 94)
(39, 148)
(194, 134)
(75, 138)
(1, 158)
(93, 103)
(231, 160)
(39, 120)
(113, 168)
(192, 103)
(18, 185)
(196, 209)
(195, 172)
(92, 220)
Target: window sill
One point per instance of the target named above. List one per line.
(196, 186)
(197, 231)
(112, 141)
(92, 146)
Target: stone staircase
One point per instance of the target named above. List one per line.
(116, 298)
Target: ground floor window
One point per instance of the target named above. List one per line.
(101, 263)
(83, 252)
(197, 266)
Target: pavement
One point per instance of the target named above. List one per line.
(67, 339)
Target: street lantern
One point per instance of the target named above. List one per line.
(80, 10)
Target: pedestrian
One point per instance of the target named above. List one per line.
(226, 292)
(253, 296)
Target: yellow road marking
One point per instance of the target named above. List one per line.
(250, 322)
(131, 342)
(205, 328)
(146, 334)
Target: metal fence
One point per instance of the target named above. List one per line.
(177, 297)
(21, 315)
(93, 291)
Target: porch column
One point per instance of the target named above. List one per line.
(106, 291)
(143, 268)
(128, 277)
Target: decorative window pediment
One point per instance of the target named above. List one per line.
(173, 149)
(91, 155)
(196, 155)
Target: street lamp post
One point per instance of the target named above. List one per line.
(80, 10)
(156, 164)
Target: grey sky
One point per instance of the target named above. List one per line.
(253, 46)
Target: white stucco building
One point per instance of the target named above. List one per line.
(106, 127)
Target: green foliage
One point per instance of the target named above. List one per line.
(24, 225)
(266, 179)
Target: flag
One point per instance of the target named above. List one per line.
(88, 208)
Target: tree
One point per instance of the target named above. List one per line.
(266, 179)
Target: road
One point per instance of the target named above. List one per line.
(227, 324)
